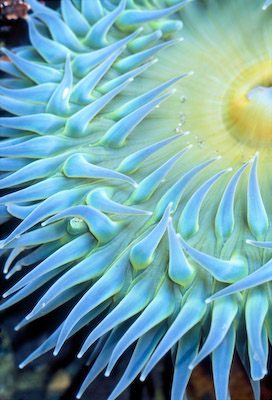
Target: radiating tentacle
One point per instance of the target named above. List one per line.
(256, 213)
(104, 288)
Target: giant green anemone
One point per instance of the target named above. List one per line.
(142, 186)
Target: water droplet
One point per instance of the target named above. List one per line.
(181, 116)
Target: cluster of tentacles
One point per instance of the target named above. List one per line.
(166, 233)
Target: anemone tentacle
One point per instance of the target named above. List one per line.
(163, 232)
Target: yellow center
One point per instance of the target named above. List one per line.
(247, 106)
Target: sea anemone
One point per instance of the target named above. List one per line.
(164, 235)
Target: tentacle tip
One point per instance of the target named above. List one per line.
(79, 394)
(208, 300)
(56, 352)
(22, 365)
(140, 29)
(186, 133)
(260, 376)
(248, 241)
(17, 327)
(218, 157)
(80, 354)
(158, 33)
(107, 373)
(17, 267)
(142, 378)
(169, 209)
(191, 73)
(3, 49)
(229, 169)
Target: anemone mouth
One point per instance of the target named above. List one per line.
(246, 111)
(147, 202)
